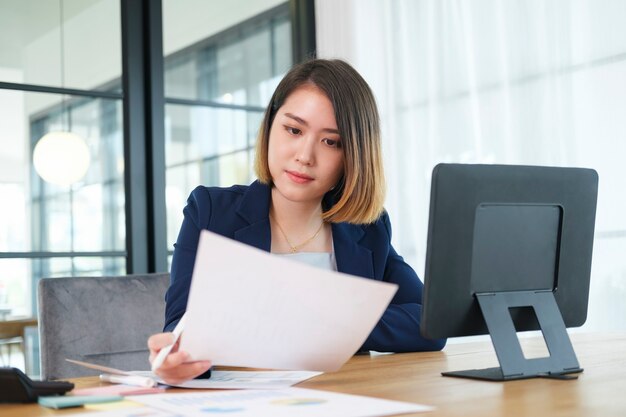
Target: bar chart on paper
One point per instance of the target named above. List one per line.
(290, 402)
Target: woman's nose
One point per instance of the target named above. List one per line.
(305, 153)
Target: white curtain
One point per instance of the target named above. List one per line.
(495, 81)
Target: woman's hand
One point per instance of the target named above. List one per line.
(175, 368)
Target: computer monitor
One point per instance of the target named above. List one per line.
(509, 249)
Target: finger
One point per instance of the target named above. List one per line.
(154, 353)
(158, 341)
(175, 359)
(183, 372)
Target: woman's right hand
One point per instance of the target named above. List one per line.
(176, 368)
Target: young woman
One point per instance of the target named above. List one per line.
(318, 199)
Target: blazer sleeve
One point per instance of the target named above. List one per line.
(196, 217)
(399, 328)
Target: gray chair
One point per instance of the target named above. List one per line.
(103, 320)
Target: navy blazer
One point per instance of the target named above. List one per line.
(242, 213)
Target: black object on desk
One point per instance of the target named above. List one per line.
(16, 387)
(509, 250)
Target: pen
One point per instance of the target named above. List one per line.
(160, 358)
(140, 381)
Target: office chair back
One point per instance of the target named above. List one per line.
(103, 320)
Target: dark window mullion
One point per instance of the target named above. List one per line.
(144, 162)
(302, 13)
(155, 101)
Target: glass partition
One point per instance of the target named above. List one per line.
(219, 76)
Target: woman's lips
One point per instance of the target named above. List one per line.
(298, 178)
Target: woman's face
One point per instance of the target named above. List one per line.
(305, 155)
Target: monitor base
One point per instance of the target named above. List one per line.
(496, 308)
(495, 374)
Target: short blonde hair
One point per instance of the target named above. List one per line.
(359, 196)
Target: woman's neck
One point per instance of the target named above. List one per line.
(299, 217)
(297, 226)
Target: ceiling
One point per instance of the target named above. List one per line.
(27, 20)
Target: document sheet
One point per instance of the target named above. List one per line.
(241, 379)
(249, 308)
(249, 380)
(290, 402)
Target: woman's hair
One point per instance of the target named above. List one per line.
(359, 196)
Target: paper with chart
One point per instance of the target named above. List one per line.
(241, 379)
(249, 308)
(290, 402)
(249, 380)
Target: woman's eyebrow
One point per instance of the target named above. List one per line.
(304, 122)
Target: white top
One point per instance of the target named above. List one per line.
(322, 260)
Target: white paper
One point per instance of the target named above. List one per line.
(290, 402)
(241, 379)
(249, 380)
(130, 411)
(249, 308)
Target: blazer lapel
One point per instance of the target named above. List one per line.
(352, 258)
(254, 208)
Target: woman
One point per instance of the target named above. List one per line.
(318, 199)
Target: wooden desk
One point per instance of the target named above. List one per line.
(15, 328)
(415, 377)
(12, 332)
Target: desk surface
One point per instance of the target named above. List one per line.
(15, 327)
(415, 377)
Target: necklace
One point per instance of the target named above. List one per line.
(295, 248)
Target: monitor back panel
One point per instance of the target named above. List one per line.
(506, 228)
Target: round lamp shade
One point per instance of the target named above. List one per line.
(61, 158)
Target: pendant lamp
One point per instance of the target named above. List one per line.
(61, 157)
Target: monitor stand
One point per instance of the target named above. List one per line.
(513, 365)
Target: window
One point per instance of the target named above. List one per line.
(51, 81)
(216, 90)
(61, 68)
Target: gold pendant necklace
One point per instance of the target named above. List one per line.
(294, 248)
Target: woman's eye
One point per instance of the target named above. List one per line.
(332, 142)
(293, 130)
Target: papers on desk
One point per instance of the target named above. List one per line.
(241, 379)
(250, 308)
(290, 402)
(218, 380)
(249, 380)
